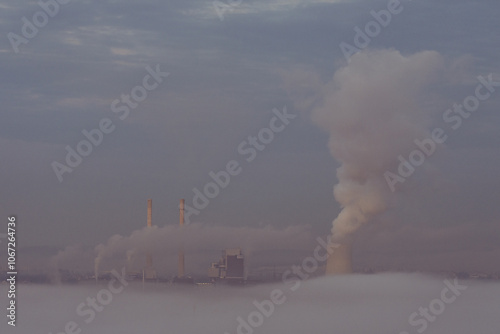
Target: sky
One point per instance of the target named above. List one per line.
(207, 78)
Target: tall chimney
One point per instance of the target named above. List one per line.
(150, 211)
(149, 258)
(181, 251)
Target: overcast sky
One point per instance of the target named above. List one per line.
(229, 67)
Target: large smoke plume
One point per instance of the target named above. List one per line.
(374, 109)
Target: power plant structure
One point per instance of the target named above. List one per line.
(180, 271)
(231, 267)
(339, 262)
(149, 273)
(181, 275)
(149, 257)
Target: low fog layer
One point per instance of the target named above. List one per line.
(357, 304)
(380, 246)
(202, 244)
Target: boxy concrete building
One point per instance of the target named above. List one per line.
(231, 267)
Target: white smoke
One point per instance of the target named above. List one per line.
(373, 110)
(70, 258)
(163, 243)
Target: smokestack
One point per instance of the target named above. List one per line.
(150, 211)
(149, 258)
(181, 251)
(339, 262)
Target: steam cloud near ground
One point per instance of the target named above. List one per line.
(357, 304)
(202, 244)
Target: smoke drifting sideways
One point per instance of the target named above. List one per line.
(355, 304)
(374, 109)
(202, 245)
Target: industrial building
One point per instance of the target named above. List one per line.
(231, 267)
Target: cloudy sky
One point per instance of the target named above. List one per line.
(233, 66)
